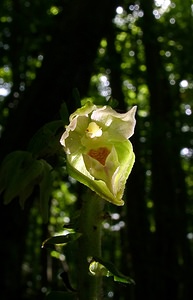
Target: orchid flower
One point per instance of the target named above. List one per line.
(98, 151)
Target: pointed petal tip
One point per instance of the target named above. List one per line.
(133, 110)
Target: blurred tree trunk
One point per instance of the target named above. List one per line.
(67, 65)
(139, 241)
(114, 60)
(172, 257)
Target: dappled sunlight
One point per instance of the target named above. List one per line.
(190, 236)
(186, 152)
(123, 18)
(4, 91)
(119, 10)
(54, 10)
(188, 110)
(162, 7)
(104, 86)
(114, 223)
(172, 21)
(184, 83)
(110, 294)
(185, 128)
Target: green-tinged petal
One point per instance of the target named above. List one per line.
(126, 159)
(71, 138)
(84, 110)
(119, 125)
(104, 172)
(77, 170)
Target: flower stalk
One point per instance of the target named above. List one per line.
(91, 218)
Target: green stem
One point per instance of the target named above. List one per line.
(90, 245)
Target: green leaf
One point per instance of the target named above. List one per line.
(66, 280)
(108, 269)
(98, 269)
(61, 239)
(61, 296)
(76, 96)
(46, 141)
(113, 102)
(64, 114)
(19, 173)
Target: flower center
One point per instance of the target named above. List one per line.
(99, 154)
(93, 130)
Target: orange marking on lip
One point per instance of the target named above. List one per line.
(99, 154)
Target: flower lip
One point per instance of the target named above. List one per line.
(99, 154)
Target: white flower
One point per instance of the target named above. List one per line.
(99, 153)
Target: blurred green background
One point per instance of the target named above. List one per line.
(122, 53)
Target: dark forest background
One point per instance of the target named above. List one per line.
(55, 54)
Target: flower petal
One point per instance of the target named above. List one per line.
(71, 138)
(126, 159)
(76, 168)
(119, 125)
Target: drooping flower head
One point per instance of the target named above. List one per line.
(98, 151)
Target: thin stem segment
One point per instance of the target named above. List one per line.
(90, 287)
